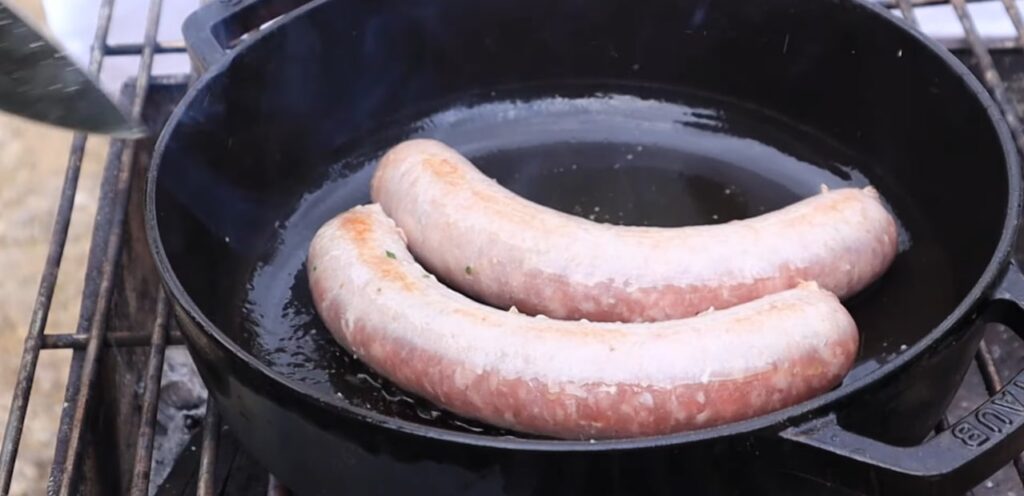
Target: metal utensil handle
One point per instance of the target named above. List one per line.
(210, 31)
(958, 458)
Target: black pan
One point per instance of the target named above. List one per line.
(658, 112)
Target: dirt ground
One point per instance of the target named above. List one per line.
(33, 158)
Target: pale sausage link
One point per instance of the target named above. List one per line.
(505, 250)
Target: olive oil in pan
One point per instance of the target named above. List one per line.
(621, 155)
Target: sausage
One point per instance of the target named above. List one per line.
(505, 250)
(569, 379)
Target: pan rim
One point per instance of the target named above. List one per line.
(779, 419)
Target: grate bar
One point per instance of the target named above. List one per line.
(114, 339)
(48, 280)
(97, 327)
(912, 4)
(147, 422)
(1018, 23)
(908, 11)
(989, 73)
(987, 366)
(88, 302)
(919, 3)
(1002, 44)
(116, 49)
(208, 455)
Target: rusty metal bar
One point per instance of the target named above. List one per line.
(115, 339)
(97, 328)
(989, 74)
(208, 455)
(89, 300)
(147, 422)
(48, 280)
(987, 367)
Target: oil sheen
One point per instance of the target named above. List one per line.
(622, 155)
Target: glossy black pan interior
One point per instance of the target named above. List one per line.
(656, 112)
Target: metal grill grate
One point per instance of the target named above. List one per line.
(93, 339)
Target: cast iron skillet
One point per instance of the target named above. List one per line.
(664, 112)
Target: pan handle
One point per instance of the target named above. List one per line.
(212, 29)
(954, 460)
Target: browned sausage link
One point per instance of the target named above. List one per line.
(569, 379)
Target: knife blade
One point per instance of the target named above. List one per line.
(40, 82)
